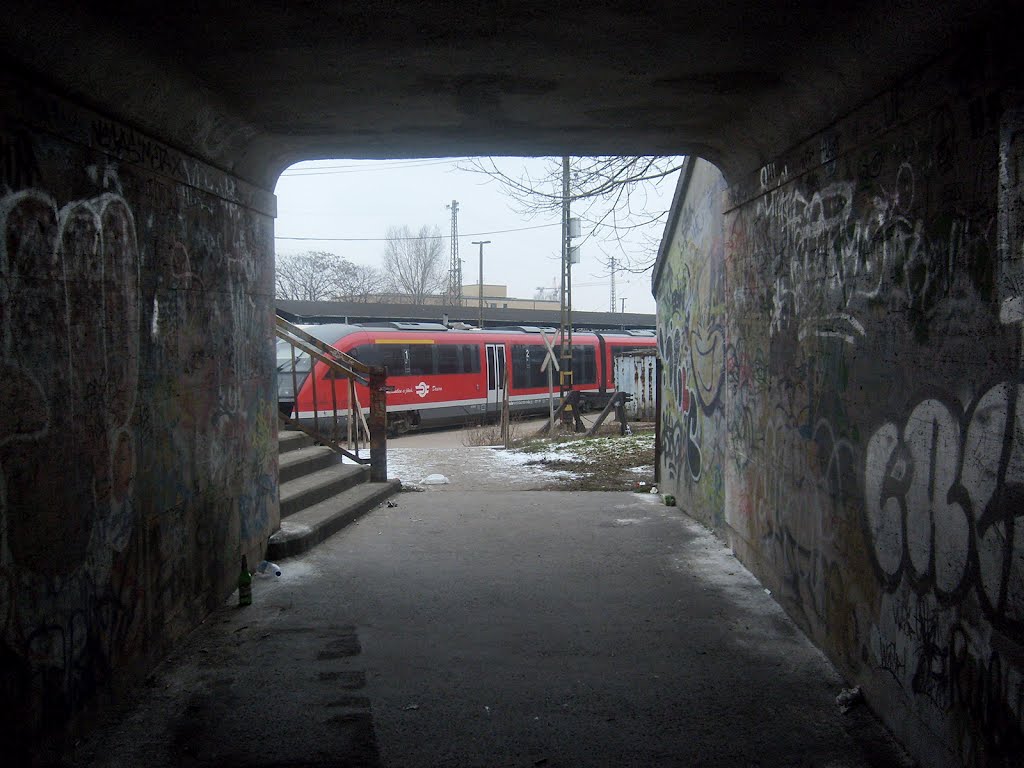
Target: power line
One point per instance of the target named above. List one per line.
(429, 237)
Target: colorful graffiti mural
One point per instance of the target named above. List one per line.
(862, 414)
(692, 346)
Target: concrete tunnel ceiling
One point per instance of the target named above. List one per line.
(255, 87)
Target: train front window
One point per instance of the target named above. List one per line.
(284, 358)
(365, 353)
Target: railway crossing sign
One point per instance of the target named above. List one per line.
(549, 358)
(550, 361)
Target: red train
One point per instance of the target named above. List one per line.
(443, 376)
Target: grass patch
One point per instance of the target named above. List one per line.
(604, 463)
(490, 434)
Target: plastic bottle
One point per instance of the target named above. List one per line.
(267, 568)
(245, 584)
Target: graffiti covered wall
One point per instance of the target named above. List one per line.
(690, 292)
(873, 459)
(137, 437)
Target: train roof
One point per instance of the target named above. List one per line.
(349, 312)
(404, 325)
(331, 333)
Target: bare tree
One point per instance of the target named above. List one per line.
(324, 276)
(612, 196)
(309, 276)
(362, 284)
(415, 264)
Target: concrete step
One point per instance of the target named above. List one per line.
(292, 440)
(311, 489)
(305, 461)
(304, 530)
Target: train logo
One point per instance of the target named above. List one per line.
(422, 389)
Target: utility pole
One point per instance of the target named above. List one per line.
(613, 285)
(565, 352)
(570, 229)
(623, 305)
(455, 271)
(481, 243)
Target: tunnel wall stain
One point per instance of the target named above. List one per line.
(870, 423)
(138, 434)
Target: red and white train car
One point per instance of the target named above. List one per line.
(444, 376)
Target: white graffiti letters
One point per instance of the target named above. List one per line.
(943, 502)
(884, 512)
(932, 437)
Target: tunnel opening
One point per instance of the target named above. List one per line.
(866, 400)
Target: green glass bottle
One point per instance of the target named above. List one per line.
(245, 584)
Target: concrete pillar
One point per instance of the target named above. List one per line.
(138, 433)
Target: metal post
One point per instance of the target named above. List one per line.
(612, 269)
(378, 426)
(352, 415)
(316, 402)
(565, 383)
(563, 319)
(480, 298)
(504, 408)
(551, 400)
(334, 401)
(295, 385)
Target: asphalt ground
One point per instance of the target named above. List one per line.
(498, 629)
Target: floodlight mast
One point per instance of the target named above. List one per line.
(455, 271)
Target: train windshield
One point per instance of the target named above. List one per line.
(284, 358)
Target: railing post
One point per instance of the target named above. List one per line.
(378, 424)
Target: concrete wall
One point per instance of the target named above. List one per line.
(137, 434)
(841, 335)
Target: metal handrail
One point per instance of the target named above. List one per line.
(342, 366)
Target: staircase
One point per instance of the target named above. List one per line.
(319, 494)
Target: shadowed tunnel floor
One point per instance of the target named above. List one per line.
(499, 629)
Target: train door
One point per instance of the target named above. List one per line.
(495, 378)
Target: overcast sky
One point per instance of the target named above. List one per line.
(349, 204)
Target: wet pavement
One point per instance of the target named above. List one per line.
(499, 628)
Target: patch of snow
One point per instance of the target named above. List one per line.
(493, 467)
(525, 457)
(647, 498)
